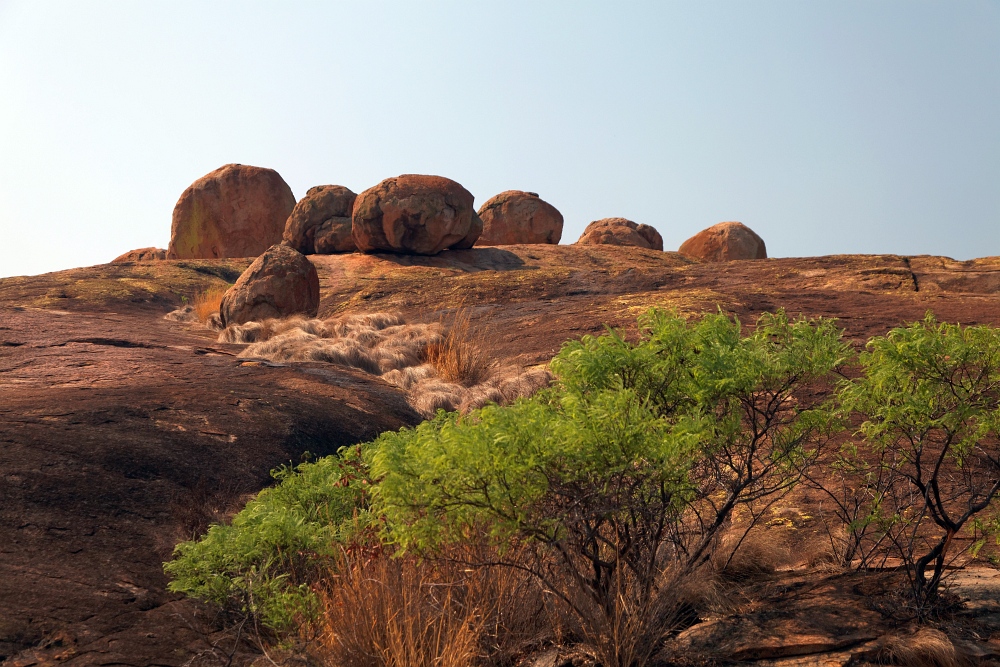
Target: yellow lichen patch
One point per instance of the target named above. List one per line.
(109, 285)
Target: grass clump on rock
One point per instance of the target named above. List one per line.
(261, 564)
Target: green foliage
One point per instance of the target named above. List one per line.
(625, 471)
(650, 411)
(261, 564)
(618, 478)
(929, 398)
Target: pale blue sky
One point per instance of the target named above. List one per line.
(828, 127)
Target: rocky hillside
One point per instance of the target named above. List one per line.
(123, 432)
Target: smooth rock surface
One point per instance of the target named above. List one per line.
(141, 255)
(415, 214)
(514, 217)
(280, 282)
(235, 211)
(724, 242)
(321, 221)
(619, 231)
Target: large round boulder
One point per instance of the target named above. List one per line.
(519, 217)
(141, 255)
(235, 211)
(725, 241)
(619, 231)
(415, 214)
(280, 282)
(321, 221)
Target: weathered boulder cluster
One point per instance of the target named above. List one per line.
(240, 211)
(243, 211)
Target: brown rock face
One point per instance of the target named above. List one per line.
(141, 255)
(513, 217)
(415, 214)
(619, 231)
(235, 211)
(279, 283)
(321, 221)
(725, 241)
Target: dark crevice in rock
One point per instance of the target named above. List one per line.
(913, 276)
(114, 342)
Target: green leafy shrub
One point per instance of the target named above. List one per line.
(611, 488)
(622, 476)
(262, 563)
(929, 452)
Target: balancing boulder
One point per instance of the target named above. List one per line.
(281, 282)
(235, 211)
(514, 216)
(619, 231)
(321, 221)
(141, 255)
(725, 241)
(415, 214)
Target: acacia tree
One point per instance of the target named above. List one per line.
(619, 479)
(929, 398)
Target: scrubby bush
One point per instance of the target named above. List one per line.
(261, 565)
(612, 488)
(926, 463)
(623, 475)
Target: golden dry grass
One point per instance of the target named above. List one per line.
(206, 303)
(463, 354)
(446, 366)
(745, 556)
(381, 611)
(925, 648)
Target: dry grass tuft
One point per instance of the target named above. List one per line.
(207, 303)
(925, 648)
(380, 611)
(462, 356)
(440, 367)
(744, 557)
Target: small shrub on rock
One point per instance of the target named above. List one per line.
(623, 475)
(926, 460)
(262, 563)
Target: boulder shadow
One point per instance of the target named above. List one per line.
(472, 260)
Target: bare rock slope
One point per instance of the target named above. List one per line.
(122, 433)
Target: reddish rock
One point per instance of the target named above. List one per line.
(475, 231)
(280, 282)
(619, 231)
(725, 241)
(513, 217)
(415, 214)
(235, 211)
(141, 255)
(321, 221)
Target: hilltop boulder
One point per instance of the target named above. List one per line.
(321, 221)
(619, 231)
(519, 217)
(415, 214)
(281, 282)
(141, 255)
(725, 241)
(234, 211)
